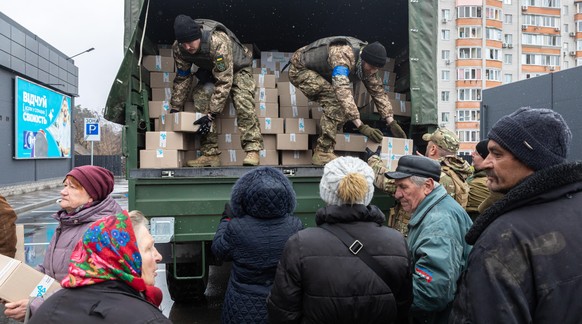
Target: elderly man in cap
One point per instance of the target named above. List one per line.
(225, 63)
(324, 71)
(442, 146)
(435, 239)
(527, 253)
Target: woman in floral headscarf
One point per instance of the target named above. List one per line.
(112, 265)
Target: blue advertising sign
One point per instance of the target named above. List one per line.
(42, 122)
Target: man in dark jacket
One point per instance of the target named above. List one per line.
(319, 280)
(525, 263)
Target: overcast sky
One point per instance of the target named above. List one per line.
(72, 26)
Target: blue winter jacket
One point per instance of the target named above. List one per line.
(436, 239)
(262, 202)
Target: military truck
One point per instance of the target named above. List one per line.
(187, 202)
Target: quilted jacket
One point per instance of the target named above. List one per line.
(253, 237)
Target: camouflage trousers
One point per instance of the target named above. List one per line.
(242, 94)
(318, 89)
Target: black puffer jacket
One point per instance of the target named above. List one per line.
(320, 281)
(527, 254)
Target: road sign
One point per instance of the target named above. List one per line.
(92, 130)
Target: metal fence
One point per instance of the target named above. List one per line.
(114, 163)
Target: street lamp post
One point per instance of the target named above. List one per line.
(85, 51)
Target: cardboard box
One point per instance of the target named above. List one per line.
(184, 121)
(232, 157)
(168, 141)
(166, 51)
(266, 95)
(300, 125)
(161, 94)
(271, 125)
(350, 142)
(401, 108)
(296, 157)
(290, 96)
(293, 142)
(267, 109)
(19, 281)
(269, 157)
(229, 141)
(158, 63)
(229, 111)
(262, 70)
(387, 77)
(265, 81)
(316, 112)
(283, 76)
(20, 243)
(389, 66)
(270, 141)
(157, 108)
(392, 149)
(163, 124)
(228, 126)
(396, 96)
(160, 158)
(162, 79)
(294, 112)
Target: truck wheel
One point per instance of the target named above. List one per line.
(186, 290)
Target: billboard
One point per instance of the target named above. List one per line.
(42, 122)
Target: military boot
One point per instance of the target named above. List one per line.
(252, 158)
(205, 161)
(322, 158)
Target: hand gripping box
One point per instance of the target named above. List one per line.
(20, 281)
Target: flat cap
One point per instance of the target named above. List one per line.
(416, 165)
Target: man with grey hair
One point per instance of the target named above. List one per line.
(436, 234)
(527, 252)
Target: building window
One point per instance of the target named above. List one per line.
(493, 75)
(579, 26)
(578, 7)
(470, 32)
(507, 2)
(508, 19)
(468, 94)
(445, 34)
(468, 115)
(493, 13)
(445, 117)
(468, 135)
(445, 75)
(541, 21)
(445, 95)
(493, 34)
(508, 39)
(493, 54)
(542, 3)
(470, 53)
(445, 54)
(507, 78)
(565, 10)
(579, 62)
(469, 74)
(579, 44)
(565, 65)
(565, 46)
(541, 40)
(566, 27)
(540, 59)
(507, 58)
(469, 12)
(446, 13)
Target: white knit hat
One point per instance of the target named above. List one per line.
(336, 170)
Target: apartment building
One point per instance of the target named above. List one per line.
(487, 43)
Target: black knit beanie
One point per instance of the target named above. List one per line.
(481, 148)
(186, 29)
(374, 54)
(539, 138)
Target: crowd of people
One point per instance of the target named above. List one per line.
(492, 243)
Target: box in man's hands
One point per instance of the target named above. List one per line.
(20, 281)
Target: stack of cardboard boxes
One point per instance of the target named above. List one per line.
(288, 120)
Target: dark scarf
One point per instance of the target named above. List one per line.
(540, 187)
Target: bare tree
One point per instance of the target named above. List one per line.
(110, 143)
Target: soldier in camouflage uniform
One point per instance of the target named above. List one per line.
(324, 71)
(442, 146)
(224, 62)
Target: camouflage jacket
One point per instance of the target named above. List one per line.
(221, 54)
(478, 192)
(342, 55)
(454, 174)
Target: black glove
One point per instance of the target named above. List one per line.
(370, 153)
(227, 213)
(396, 130)
(373, 133)
(204, 76)
(205, 123)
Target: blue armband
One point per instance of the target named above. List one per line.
(183, 73)
(340, 70)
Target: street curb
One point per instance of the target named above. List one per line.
(47, 202)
